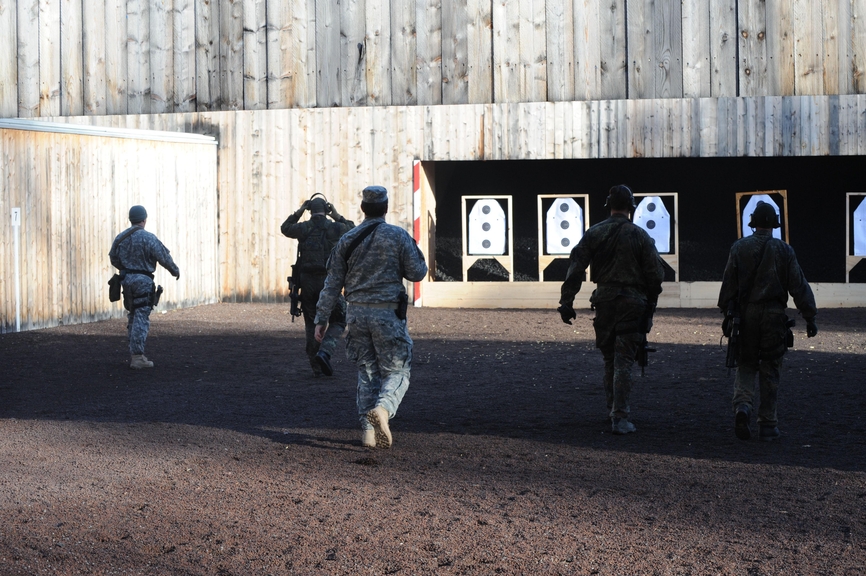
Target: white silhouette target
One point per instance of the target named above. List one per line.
(750, 207)
(487, 228)
(652, 215)
(860, 230)
(564, 226)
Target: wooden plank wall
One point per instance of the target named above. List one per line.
(74, 192)
(270, 161)
(105, 57)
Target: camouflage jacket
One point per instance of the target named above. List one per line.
(772, 279)
(141, 251)
(375, 270)
(624, 262)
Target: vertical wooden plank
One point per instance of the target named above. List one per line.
(115, 57)
(667, 47)
(753, 48)
(723, 47)
(506, 51)
(255, 55)
(138, 56)
(455, 64)
(279, 38)
(560, 50)
(28, 59)
(857, 59)
(780, 49)
(808, 60)
(588, 19)
(832, 46)
(49, 58)
(183, 44)
(403, 53)
(232, 54)
(844, 42)
(71, 67)
(94, 64)
(533, 51)
(428, 23)
(328, 73)
(613, 38)
(8, 59)
(161, 56)
(697, 67)
(304, 51)
(353, 52)
(378, 52)
(479, 40)
(641, 62)
(207, 55)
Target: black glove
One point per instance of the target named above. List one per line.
(177, 277)
(567, 313)
(306, 205)
(332, 212)
(811, 327)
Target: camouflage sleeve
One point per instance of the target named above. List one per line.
(799, 288)
(290, 227)
(579, 259)
(112, 255)
(730, 282)
(413, 262)
(163, 256)
(653, 270)
(333, 289)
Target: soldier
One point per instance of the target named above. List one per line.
(316, 238)
(370, 262)
(135, 253)
(628, 272)
(760, 273)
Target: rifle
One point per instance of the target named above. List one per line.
(644, 350)
(294, 294)
(643, 355)
(731, 330)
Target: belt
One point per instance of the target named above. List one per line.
(381, 305)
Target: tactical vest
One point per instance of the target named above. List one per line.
(316, 248)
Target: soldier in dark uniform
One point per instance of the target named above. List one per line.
(316, 238)
(760, 273)
(135, 253)
(371, 262)
(628, 272)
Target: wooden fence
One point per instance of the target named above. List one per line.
(104, 57)
(72, 187)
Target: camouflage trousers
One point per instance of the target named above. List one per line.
(137, 327)
(762, 347)
(336, 326)
(379, 344)
(618, 336)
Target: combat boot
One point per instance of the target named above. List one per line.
(378, 417)
(368, 438)
(741, 422)
(769, 433)
(323, 359)
(140, 361)
(622, 426)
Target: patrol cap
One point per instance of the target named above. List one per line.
(318, 205)
(375, 195)
(620, 197)
(764, 216)
(137, 214)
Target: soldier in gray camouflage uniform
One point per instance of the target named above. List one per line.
(768, 270)
(316, 238)
(370, 262)
(135, 253)
(628, 272)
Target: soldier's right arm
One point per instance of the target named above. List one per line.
(290, 227)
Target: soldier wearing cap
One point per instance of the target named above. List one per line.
(760, 273)
(316, 238)
(135, 253)
(370, 262)
(628, 272)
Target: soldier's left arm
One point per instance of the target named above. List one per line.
(413, 262)
(163, 256)
(730, 283)
(799, 288)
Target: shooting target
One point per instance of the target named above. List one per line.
(564, 226)
(652, 215)
(487, 228)
(859, 226)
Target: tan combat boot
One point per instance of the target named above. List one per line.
(140, 361)
(378, 417)
(368, 438)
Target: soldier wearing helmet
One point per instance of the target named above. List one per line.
(760, 274)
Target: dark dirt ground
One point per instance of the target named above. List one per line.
(228, 458)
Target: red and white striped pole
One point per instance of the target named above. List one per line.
(416, 205)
